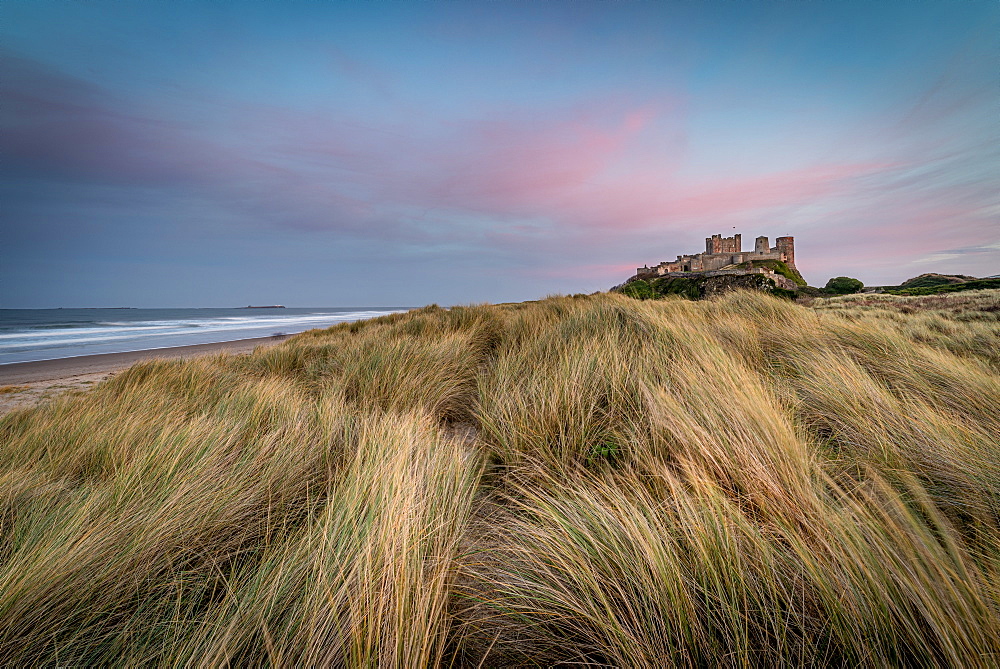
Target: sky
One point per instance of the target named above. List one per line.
(196, 154)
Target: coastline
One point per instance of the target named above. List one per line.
(45, 370)
(40, 380)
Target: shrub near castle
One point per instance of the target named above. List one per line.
(843, 285)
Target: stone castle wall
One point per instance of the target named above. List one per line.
(724, 251)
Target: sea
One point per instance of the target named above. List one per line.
(47, 334)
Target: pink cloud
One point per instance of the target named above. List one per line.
(584, 186)
(569, 271)
(515, 168)
(641, 204)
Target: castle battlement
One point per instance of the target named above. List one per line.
(721, 253)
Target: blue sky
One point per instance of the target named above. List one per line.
(307, 153)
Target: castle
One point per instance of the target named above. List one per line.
(721, 256)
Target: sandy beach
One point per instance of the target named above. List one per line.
(25, 384)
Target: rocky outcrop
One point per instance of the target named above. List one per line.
(697, 286)
(717, 285)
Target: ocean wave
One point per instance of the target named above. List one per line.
(117, 335)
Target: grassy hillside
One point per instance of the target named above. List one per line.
(931, 279)
(740, 481)
(930, 286)
(777, 266)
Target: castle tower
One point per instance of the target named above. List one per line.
(786, 246)
(737, 244)
(713, 244)
(761, 246)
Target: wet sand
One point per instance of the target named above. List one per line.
(24, 384)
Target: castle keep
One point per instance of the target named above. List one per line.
(723, 254)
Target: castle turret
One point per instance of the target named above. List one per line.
(761, 246)
(719, 244)
(713, 244)
(786, 247)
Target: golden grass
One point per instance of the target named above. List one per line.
(5, 390)
(595, 480)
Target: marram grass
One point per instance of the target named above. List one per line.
(594, 481)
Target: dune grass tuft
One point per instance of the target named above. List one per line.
(741, 481)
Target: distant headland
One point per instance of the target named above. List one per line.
(269, 306)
